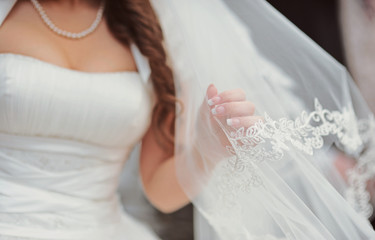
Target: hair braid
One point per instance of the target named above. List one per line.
(135, 21)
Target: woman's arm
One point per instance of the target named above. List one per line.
(158, 174)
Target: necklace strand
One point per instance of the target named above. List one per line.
(64, 33)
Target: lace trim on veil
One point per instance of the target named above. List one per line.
(269, 139)
(359, 176)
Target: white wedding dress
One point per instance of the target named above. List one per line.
(64, 137)
(66, 134)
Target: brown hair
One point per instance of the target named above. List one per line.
(135, 21)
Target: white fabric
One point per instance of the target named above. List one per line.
(265, 181)
(358, 34)
(64, 137)
(261, 182)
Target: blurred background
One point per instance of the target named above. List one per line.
(319, 19)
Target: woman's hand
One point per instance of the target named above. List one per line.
(219, 114)
(209, 141)
(231, 107)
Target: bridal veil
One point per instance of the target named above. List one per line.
(274, 179)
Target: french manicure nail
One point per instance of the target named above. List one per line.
(218, 110)
(213, 101)
(233, 121)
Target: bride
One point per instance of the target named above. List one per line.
(88, 108)
(81, 82)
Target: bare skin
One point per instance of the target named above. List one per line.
(23, 32)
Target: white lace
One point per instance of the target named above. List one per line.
(358, 177)
(269, 139)
(305, 133)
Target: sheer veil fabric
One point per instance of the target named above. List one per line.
(271, 180)
(357, 26)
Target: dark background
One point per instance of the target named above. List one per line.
(318, 19)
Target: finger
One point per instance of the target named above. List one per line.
(211, 91)
(235, 95)
(234, 109)
(246, 122)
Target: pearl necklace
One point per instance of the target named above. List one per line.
(64, 33)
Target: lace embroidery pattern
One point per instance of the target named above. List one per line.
(363, 172)
(270, 139)
(305, 133)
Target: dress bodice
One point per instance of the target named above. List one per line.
(64, 137)
(41, 99)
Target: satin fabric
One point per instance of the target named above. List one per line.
(64, 138)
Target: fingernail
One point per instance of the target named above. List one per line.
(213, 101)
(233, 121)
(218, 110)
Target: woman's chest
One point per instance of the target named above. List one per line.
(23, 32)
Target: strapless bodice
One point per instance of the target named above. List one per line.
(64, 137)
(42, 99)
